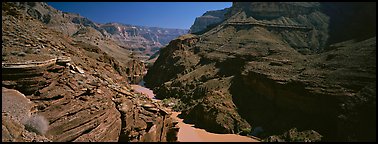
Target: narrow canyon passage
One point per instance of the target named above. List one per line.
(188, 133)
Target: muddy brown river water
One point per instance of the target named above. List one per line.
(189, 133)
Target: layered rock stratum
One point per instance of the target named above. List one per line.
(269, 67)
(142, 40)
(208, 19)
(129, 45)
(58, 87)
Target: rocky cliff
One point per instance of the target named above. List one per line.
(207, 20)
(128, 45)
(350, 20)
(62, 88)
(83, 30)
(268, 68)
(273, 10)
(142, 40)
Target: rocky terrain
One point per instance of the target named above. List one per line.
(271, 67)
(144, 41)
(58, 87)
(208, 19)
(128, 45)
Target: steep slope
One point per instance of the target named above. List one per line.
(128, 45)
(83, 30)
(342, 29)
(266, 69)
(72, 84)
(208, 19)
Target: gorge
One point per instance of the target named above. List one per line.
(276, 66)
(189, 133)
(256, 71)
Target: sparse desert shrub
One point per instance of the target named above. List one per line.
(37, 124)
(245, 131)
(293, 135)
(174, 103)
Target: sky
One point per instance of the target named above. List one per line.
(153, 14)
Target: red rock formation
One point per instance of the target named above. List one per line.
(77, 93)
(258, 69)
(125, 45)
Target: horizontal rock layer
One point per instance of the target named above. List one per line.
(75, 85)
(271, 69)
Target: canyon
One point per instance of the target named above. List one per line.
(257, 71)
(131, 46)
(189, 133)
(59, 87)
(280, 71)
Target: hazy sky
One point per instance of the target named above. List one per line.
(158, 14)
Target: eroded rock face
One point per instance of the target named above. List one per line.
(172, 61)
(209, 18)
(16, 111)
(273, 10)
(15, 104)
(144, 41)
(144, 120)
(125, 45)
(135, 71)
(252, 72)
(74, 85)
(14, 131)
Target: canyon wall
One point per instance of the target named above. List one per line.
(126, 45)
(74, 88)
(207, 19)
(268, 66)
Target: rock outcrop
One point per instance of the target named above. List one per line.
(126, 45)
(144, 41)
(15, 112)
(208, 19)
(274, 10)
(268, 65)
(74, 85)
(14, 131)
(85, 33)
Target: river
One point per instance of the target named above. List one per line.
(189, 133)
